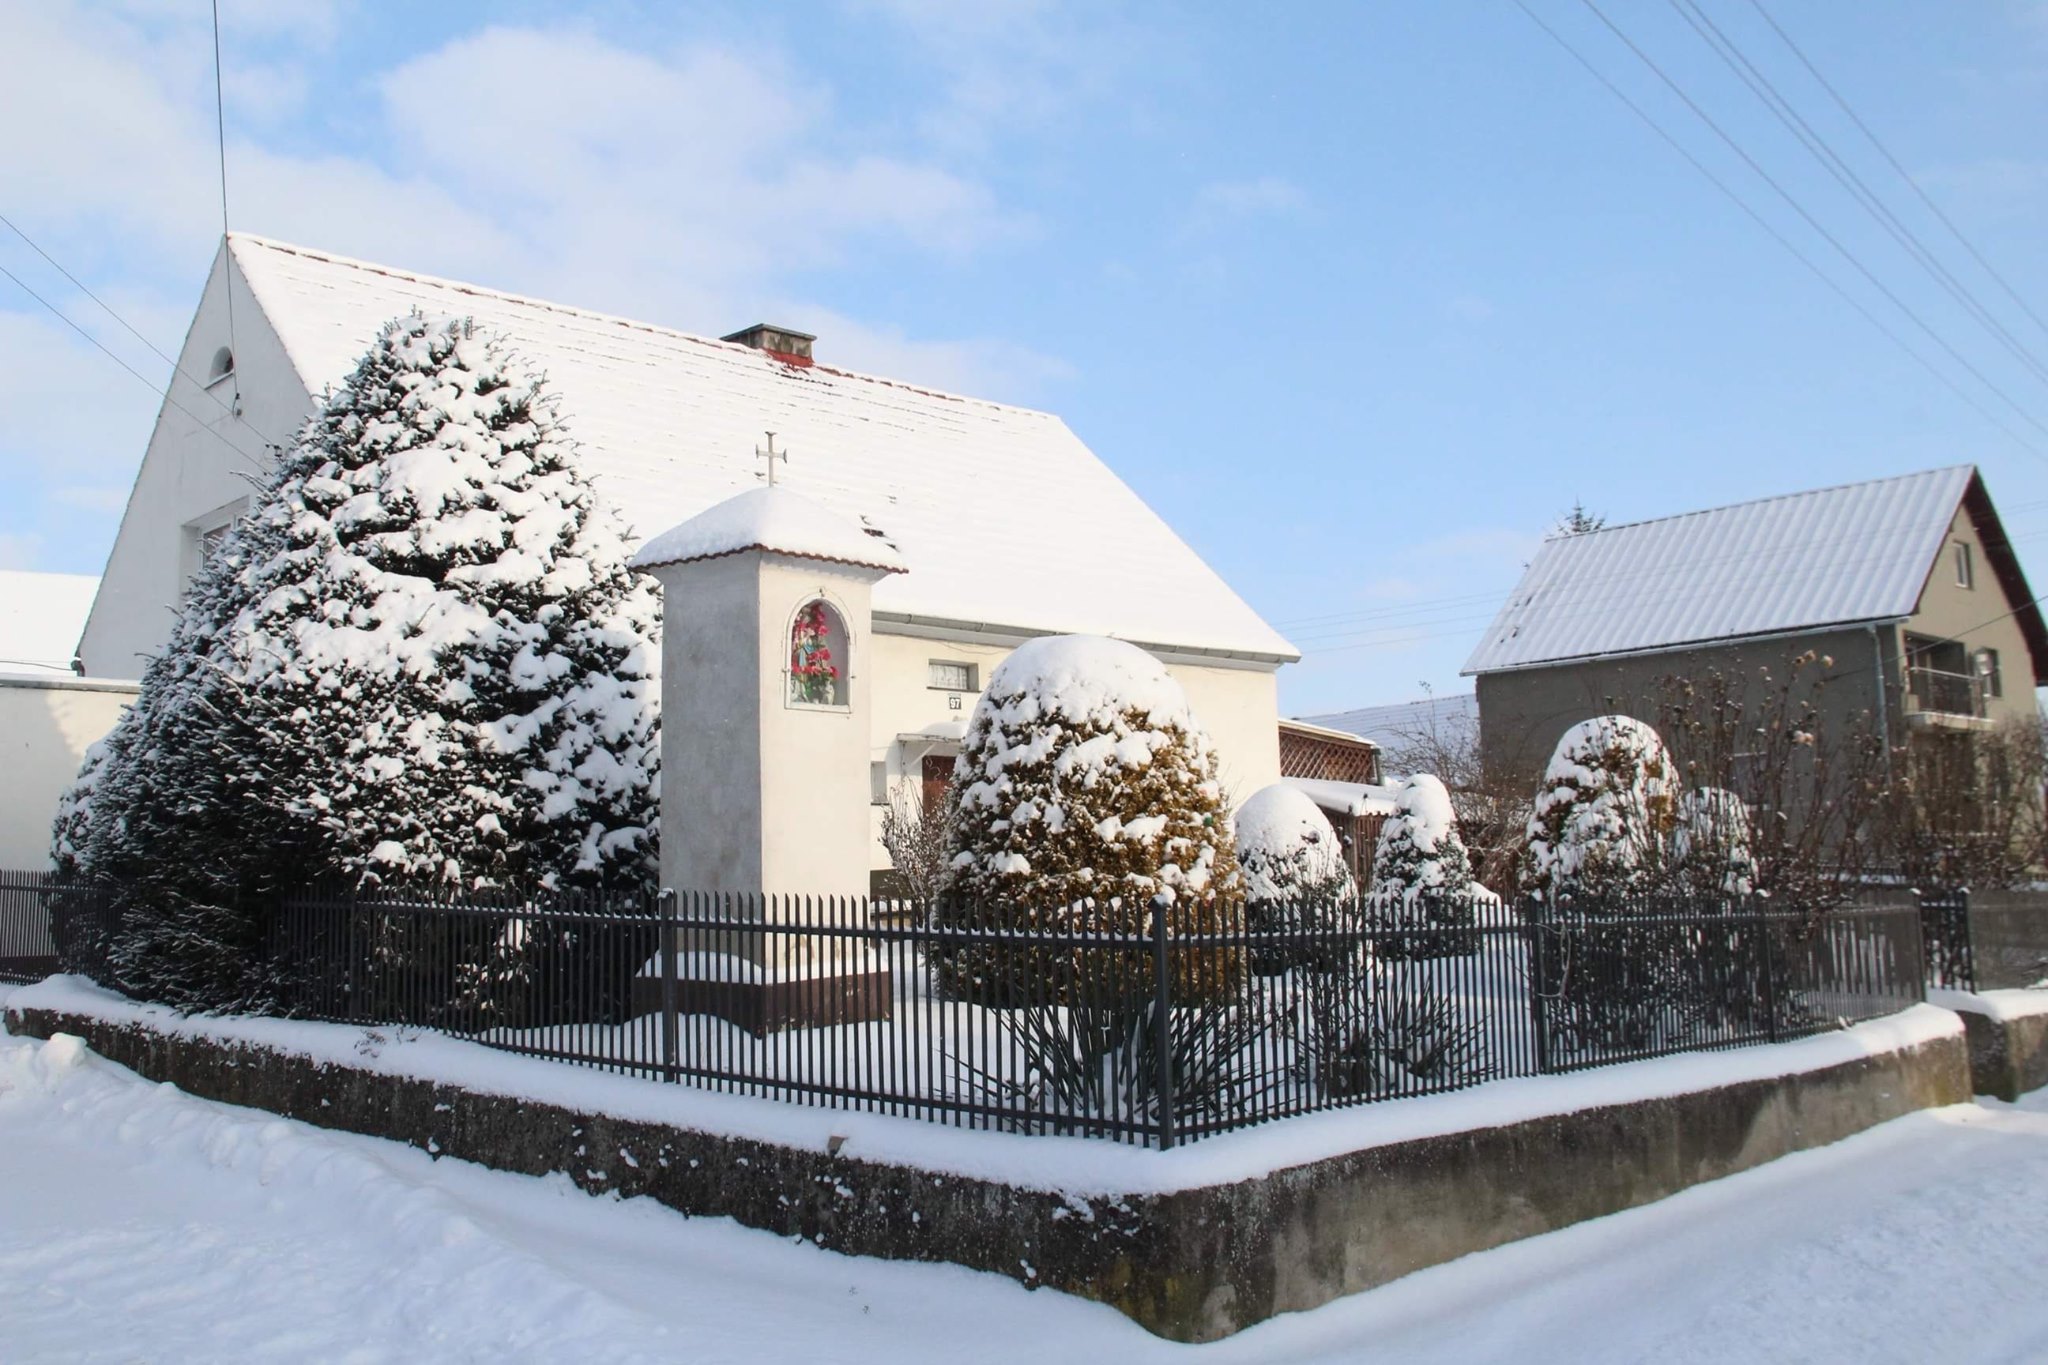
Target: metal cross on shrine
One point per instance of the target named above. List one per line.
(769, 456)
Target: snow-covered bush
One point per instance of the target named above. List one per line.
(1419, 848)
(419, 661)
(1295, 876)
(1713, 845)
(1422, 876)
(1604, 814)
(1084, 788)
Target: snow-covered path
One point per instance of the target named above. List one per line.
(138, 1223)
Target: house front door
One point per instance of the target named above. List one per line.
(938, 775)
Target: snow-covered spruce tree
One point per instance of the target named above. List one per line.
(1085, 788)
(1603, 817)
(453, 666)
(155, 821)
(1422, 876)
(1295, 877)
(420, 661)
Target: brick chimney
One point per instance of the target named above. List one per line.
(783, 343)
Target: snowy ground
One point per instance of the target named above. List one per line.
(138, 1223)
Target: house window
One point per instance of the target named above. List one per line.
(202, 538)
(950, 677)
(878, 783)
(1987, 669)
(1965, 573)
(817, 656)
(223, 365)
(211, 541)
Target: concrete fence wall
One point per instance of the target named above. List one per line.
(1192, 1264)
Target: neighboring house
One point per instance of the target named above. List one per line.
(48, 715)
(1010, 526)
(1444, 722)
(1909, 585)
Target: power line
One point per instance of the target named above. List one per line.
(1771, 230)
(1793, 202)
(1845, 175)
(108, 308)
(164, 393)
(1904, 174)
(220, 124)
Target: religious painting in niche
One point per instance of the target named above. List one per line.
(817, 656)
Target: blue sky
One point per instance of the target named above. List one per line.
(1361, 297)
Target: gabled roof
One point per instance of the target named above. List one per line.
(41, 617)
(1008, 521)
(1389, 725)
(1830, 557)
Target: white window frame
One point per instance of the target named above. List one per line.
(972, 675)
(1966, 569)
(197, 533)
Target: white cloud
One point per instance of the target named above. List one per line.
(1263, 196)
(105, 497)
(18, 551)
(1004, 64)
(688, 184)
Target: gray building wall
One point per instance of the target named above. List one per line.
(1524, 712)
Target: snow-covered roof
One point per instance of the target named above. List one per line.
(1833, 556)
(1390, 725)
(768, 518)
(41, 617)
(1009, 521)
(1344, 798)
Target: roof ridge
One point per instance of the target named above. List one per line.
(570, 309)
(1774, 497)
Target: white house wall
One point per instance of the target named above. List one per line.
(46, 725)
(201, 461)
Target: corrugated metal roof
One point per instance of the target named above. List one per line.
(1859, 552)
(1390, 725)
(1004, 517)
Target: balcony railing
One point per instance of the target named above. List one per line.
(1933, 691)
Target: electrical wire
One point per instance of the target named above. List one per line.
(1780, 238)
(256, 462)
(1807, 216)
(1845, 175)
(1893, 161)
(220, 124)
(108, 308)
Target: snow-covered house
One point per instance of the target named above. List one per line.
(1009, 527)
(1909, 585)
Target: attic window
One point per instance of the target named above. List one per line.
(1965, 574)
(223, 365)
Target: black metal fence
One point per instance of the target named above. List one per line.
(1986, 940)
(27, 952)
(1091, 1020)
